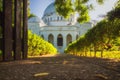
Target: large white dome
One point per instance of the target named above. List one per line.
(51, 17)
(34, 20)
(50, 9)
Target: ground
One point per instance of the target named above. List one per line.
(61, 67)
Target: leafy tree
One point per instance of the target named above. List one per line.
(116, 44)
(115, 13)
(68, 7)
(100, 37)
(31, 15)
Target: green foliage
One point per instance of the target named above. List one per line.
(100, 1)
(38, 46)
(28, 10)
(116, 44)
(31, 15)
(115, 13)
(117, 41)
(0, 5)
(64, 7)
(103, 36)
(107, 54)
(68, 7)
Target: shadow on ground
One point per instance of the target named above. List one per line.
(61, 67)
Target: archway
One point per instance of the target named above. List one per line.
(68, 39)
(60, 40)
(42, 36)
(51, 38)
(77, 37)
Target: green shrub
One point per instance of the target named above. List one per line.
(38, 46)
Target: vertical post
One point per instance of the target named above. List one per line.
(1, 18)
(0, 28)
(17, 30)
(25, 30)
(7, 30)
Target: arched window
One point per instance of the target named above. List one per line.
(45, 20)
(51, 19)
(51, 38)
(42, 36)
(69, 39)
(60, 40)
(71, 19)
(61, 18)
(39, 32)
(48, 19)
(58, 18)
(77, 37)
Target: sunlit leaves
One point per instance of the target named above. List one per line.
(31, 15)
(68, 7)
(100, 1)
(84, 17)
(38, 46)
(64, 7)
(117, 4)
(100, 37)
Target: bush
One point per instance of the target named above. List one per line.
(38, 46)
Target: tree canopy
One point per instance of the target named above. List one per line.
(115, 13)
(68, 7)
(102, 36)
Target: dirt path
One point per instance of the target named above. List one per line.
(63, 67)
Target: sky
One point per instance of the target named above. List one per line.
(38, 7)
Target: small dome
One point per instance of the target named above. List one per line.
(34, 20)
(50, 9)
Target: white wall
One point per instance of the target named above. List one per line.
(55, 31)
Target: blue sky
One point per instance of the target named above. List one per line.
(38, 6)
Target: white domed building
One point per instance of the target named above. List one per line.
(56, 29)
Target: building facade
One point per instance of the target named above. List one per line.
(56, 29)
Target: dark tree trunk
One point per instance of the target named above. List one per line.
(101, 52)
(17, 30)
(19, 39)
(95, 51)
(7, 30)
(90, 52)
(25, 30)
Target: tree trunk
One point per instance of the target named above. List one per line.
(101, 52)
(7, 30)
(25, 30)
(95, 51)
(90, 52)
(17, 30)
